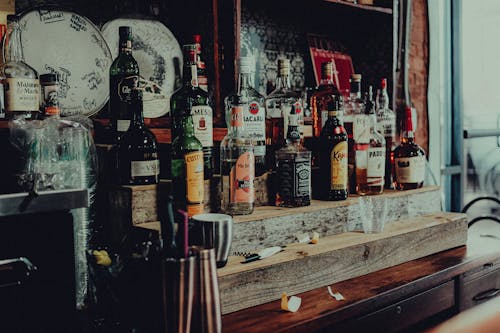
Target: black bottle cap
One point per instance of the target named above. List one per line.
(49, 77)
(125, 32)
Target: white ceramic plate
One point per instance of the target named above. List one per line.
(154, 49)
(56, 41)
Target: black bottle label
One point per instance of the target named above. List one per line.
(125, 86)
(302, 178)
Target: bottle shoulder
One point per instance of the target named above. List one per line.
(18, 69)
(408, 149)
(124, 64)
(183, 144)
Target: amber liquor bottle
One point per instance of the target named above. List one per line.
(333, 157)
(409, 159)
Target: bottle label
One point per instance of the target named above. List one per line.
(255, 122)
(241, 179)
(324, 118)
(203, 124)
(22, 94)
(386, 126)
(410, 169)
(122, 125)
(125, 86)
(203, 82)
(361, 128)
(144, 168)
(194, 177)
(302, 173)
(338, 172)
(49, 93)
(376, 166)
(237, 116)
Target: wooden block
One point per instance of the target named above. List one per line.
(303, 267)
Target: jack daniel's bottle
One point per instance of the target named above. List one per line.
(124, 77)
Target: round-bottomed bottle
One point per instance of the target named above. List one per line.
(409, 159)
(237, 166)
(187, 169)
(293, 169)
(334, 153)
(21, 86)
(138, 162)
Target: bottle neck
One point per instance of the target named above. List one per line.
(336, 117)
(283, 81)
(187, 127)
(408, 134)
(137, 115)
(326, 80)
(355, 90)
(293, 133)
(14, 47)
(243, 82)
(125, 46)
(237, 127)
(383, 99)
(190, 75)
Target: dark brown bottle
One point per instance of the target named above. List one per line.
(409, 159)
(333, 154)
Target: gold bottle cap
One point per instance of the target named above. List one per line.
(356, 77)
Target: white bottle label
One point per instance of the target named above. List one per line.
(203, 124)
(361, 128)
(122, 125)
(376, 166)
(144, 168)
(255, 122)
(22, 94)
(386, 126)
(410, 169)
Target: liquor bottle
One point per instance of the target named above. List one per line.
(138, 161)
(123, 78)
(20, 81)
(354, 109)
(253, 113)
(409, 159)
(50, 102)
(370, 154)
(279, 104)
(293, 169)
(334, 154)
(386, 124)
(191, 100)
(237, 165)
(200, 64)
(187, 169)
(325, 93)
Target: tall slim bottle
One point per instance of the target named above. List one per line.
(334, 155)
(279, 104)
(254, 112)
(123, 78)
(19, 80)
(370, 156)
(187, 169)
(409, 159)
(191, 100)
(386, 125)
(138, 162)
(237, 165)
(354, 114)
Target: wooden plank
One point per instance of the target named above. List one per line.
(365, 293)
(303, 267)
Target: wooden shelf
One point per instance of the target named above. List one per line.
(364, 7)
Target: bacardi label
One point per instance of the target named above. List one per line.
(255, 122)
(203, 124)
(241, 179)
(125, 86)
(376, 166)
(338, 172)
(144, 168)
(410, 169)
(21, 95)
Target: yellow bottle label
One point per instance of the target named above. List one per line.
(194, 177)
(338, 164)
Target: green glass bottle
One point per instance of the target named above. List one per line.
(191, 100)
(123, 77)
(138, 161)
(187, 169)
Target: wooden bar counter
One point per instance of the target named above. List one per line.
(412, 296)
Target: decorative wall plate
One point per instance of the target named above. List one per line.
(63, 42)
(155, 49)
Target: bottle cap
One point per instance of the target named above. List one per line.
(245, 64)
(284, 66)
(383, 83)
(356, 77)
(197, 39)
(49, 78)
(189, 51)
(125, 32)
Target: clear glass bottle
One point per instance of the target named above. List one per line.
(187, 169)
(370, 156)
(333, 158)
(123, 78)
(325, 93)
(386, 125)
(254, 117)
(354, 108)
(137, 150)
(200, 64)
(20, 81)
(409, 158)
(191, 100)
(237, 166)
(293, 169)
(279, 104)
